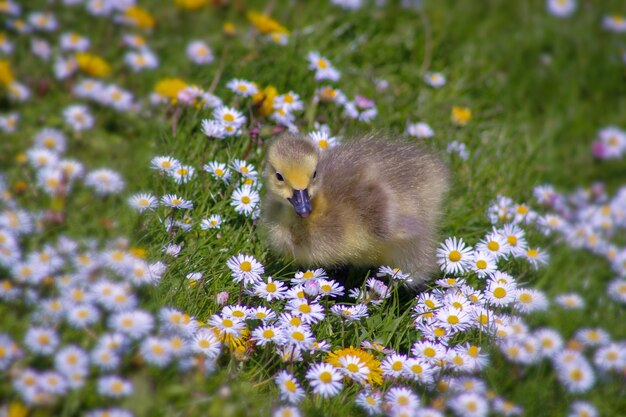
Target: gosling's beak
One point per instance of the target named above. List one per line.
(301, 202)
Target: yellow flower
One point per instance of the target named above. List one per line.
(191, 4)
(375, 377)
(138, 252)
(170, 87)
(461, 115)
(265, 24)
(265, 100)
(229, 29)
(6, 75)
(139, 17)
(92, 65)
(17, 409)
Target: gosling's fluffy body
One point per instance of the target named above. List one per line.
(375, 201)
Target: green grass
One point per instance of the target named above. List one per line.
(539, 89)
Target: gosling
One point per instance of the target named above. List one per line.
(367, 202)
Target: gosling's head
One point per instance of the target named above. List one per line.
(291, 172)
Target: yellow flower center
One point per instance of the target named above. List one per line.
(305, 308)
(299, 336)
(229, 117)
(321, 63)
(493, 246)
(268, 333)
(326, 377)
(352, 367)
(308, 275)
(245, 199)
(440, 332)
(290, 386)
(525, 298)
(454, 256)
(453, 319)
(532, 253)
(499, 292)
(227, 323)
(323, 143)
(271, 287)
(397, 366)
(512, 239)
(417, 369)
(430, 352)
(481, 264)
(219, 172)
(245, 266)
(238, 313)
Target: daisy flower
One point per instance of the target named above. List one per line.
(529, 300)
(51, 139)
(229, 117)
(323, 68)
(324, 379)
(570, 301)
(245, 199)
(244, 168)
(351, 313)
(289, 387)
(174, 201)
(155, 351)
(483, 264)
(246, 269)
(420, 130)
(495, 244)
(322, 139)
(105, 181)
(270, 290)
(78, 117)
(287, 411)
(310, 313)
(577, 376)
(199, 53)
(213, 222)
(330, 288)
(41, 340)
(141, 60)
(591, 337)
(354, 368)
(262, 313)
(133, 323)
(143, 202)
(614, 23)
(398, 398)
(469, 405)
(205, 341)
(289, 101)
(418, 370)
(298, 336)
(218, 170)
(515, 238)
(536, 257)
(611, 357)
(265, 334)
(302, 277)
(561, 8)
(582, 409)
(550, 341)
(74, 42)
(371, 402)
(114, 386)
(242, 87)
(500, 293)
(393, 365)
(182, 174)
(454, 257)
(213, 129)
(435, 79)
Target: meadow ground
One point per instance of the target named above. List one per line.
(540, 88)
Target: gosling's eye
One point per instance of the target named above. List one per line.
(279, 177)
(314, 174)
